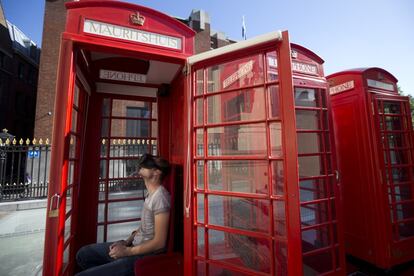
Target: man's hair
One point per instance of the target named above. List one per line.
(150, 161)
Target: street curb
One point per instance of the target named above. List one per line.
(23, 205)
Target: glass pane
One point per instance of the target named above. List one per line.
(72, 146)
(314, 213)
(281, 253)
(271, 59)
(238, 139)
(276, 139)
(240, 250)
(201, 268)
(307, 119)
(105, 128)
(106, 107)
(200, 142)
(76, 96)
(403, 192)
(240, 213)
(313, 189)
(279, 214)
(395, 140)
(66, 256)
(200, 175)
(394, 123)
(154, 129)
(245, 176)
(200, 241)
(74, 120)
(200, 208)
(404, 211)
(245, 105)
(235, 74)
(311, 166)
(318, 264)
(120, 231)
(130, 128)
(131, 109)
(101, 212)
(100, 234)
(313, 239)
(397, 157)
(199, 111)
(67, 228)
(278, 178)
(69, 199)
(125, 210)
(406, 229)
(323, 98)
(392, 108)
(274, 101)
(125, 188)
(399, 175)
(102, 169)
(154, 111)
(306, 97)
(71, 172)
(309, 142)
(200, 82)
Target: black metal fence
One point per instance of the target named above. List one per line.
(24, 169)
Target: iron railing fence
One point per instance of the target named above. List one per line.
(24, 169)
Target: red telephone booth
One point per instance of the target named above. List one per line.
(234, 122)
(373, 129)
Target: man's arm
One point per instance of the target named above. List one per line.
(127, 242)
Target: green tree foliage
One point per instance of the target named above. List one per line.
(411, 102)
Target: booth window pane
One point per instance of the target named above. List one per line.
(100, 234)
(394, 123)
(131, 109)
(311, 166)
(306, 97)
(397, 157)
(105, 128)
(76, 96)
(72, 146)
(406, 229)
(281, 257)
(201, 268)
(309, 142)
(200, 208)
(67, 228)
(101, 212)
(395, 140)
(200, 242)
(314, 213)
(199, 82)
(244, 105)
(316, 238)
(74, 120)
(200, 175)
(313, 189)
(246, 176)
(276, 139)
(271, 59)
(124, 210)
(274, 101)
(279, 214)
(318, 264)
(106, 107)
(240, 250)
(238, 139)
(66, 256)
(102, 169)
(239, 213)
(69, 199)
(71, 172)
(130, 128)
(307, 119)
(392, 108)
(402, 192)
(199, 112)
(399, 175)
(404, 211)
(323, 95)
(119, 231)
(200, 142)
(215, 270)
(278, 178)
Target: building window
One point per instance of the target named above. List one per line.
(2, 60)
(20, 71)
(136, 127)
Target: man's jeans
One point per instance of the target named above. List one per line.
(94, 259)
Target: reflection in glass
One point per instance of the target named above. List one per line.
(276, 139)
(131, 109)
(311, 166)
(246, 176)
(200, 82)
(392, 108)
(313, 189)
(394, 123)
(309, 142)
(307, 119)
(278, 178)
(247, 139)
(306, 97)
(274, 101)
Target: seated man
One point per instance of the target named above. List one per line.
(118, 258)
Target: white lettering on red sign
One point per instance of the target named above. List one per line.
(380, 84)
(122, 76)
(342, 87)
(125, 33)
(304, 68)
(243, 70)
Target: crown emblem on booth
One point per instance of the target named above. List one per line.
(137, 19)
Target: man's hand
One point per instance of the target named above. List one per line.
(118, 251)
(121, 242)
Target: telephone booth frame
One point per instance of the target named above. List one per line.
(373, 128)
(260, 69)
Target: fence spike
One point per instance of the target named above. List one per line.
(47, 141)
(129, 141)
(139, 141)
(119, 142)
(7, 141)
(14, 141)
(148, 142)
(114, 142)
(40, 141)
(1, 141)
(103, 141)
(71, 140)
(27, 141)
(124, 142)
(20, 141)
(134, 141)
(34, 141)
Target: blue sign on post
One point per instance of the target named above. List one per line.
(33, 154)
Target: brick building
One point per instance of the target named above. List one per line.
(54, 24)
(19, 65)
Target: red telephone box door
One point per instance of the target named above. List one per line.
(395, 144)
(243, 163)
